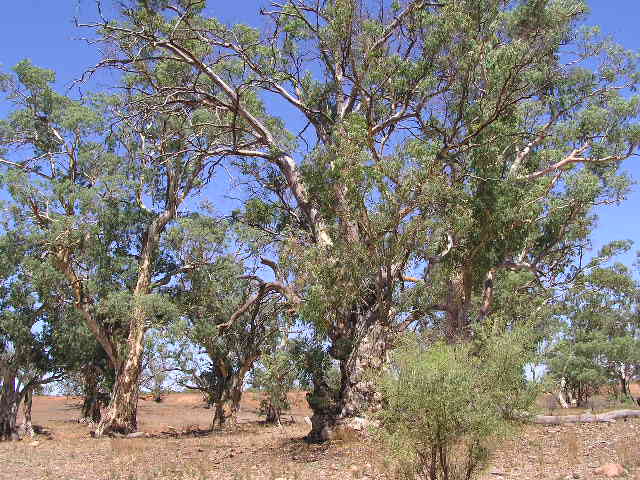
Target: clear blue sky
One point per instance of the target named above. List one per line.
(43, 31)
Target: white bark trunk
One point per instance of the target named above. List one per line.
(608, 417)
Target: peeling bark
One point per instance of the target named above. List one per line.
(121, 413)
(9, 404)
(357, 395)
(26, 410)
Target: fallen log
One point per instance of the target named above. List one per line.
(607, 417)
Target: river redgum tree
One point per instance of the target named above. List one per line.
(441, 144)
(96, 183)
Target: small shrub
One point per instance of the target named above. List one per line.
(446, 404)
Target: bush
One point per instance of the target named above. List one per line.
(446, 403)
(275, 378)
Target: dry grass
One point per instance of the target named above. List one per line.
(252, 450)
(628, 452)
(572, 445)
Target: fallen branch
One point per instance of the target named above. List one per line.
(607, 417)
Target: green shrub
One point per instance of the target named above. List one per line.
(445, 404)
(275, 377)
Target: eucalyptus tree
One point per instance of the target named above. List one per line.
(158, 363)
(96, 183)
(85, 364)
(229, 314)
(600, 339)
(275, 376)
(443, 144)
(26, 362)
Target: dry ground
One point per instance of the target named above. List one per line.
(255, 451)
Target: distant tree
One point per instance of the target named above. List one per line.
(231, 320)
(158, 363)
(600, 339)
(275, 376)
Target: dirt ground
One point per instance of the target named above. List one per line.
(255, 451)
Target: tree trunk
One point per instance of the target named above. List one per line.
(624, 386)
(8, 418)
(563, 403)
(227, 408)
(325, 405)
(9, 404)
(273, 414)
(91, 404)
(235, 396)
(608, 417)
(357, 395)
(219, 418)
(26, 410)
(121, 413)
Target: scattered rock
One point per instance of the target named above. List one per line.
(610, 470)
(137, 435)
(35, 443)
(359, 423)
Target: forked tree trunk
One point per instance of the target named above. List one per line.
(228, 405)
(226, 410)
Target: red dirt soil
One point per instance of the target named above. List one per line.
(252, 450)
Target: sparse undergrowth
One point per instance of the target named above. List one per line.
(254, 451)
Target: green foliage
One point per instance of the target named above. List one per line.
(27, 347)
(275, 377)
(599, 341)
(445, 405)
(454, 156)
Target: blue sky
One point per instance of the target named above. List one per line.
(43, 31)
